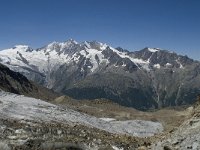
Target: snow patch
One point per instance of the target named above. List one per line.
(136, 61)
(92, 54)
(108, 119)
(168, 65)
(180, 65)
(153, 50)
(87, 44)
(124, 65)
(156, 66)
(116, 148)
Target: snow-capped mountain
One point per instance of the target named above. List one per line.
(56, 54)
(142, 79)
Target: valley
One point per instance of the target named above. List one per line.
(102, 108)
(91, 96)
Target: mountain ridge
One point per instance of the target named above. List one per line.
(142, 79)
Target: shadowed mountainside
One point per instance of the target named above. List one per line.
(14, 82)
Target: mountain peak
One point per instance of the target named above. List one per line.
(153, 50)
(21, 46)
(71, 41)
(94, 45)
(52, 43)
(66, 43)
(121, 49)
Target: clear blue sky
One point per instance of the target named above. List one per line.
(131, 24)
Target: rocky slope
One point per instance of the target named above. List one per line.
(186, 136)
(14, 82)
(149, 78)
(28, 123)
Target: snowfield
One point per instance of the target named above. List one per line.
(108, 119)
(35, 110)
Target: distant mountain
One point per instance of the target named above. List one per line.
(145, 79)
(14, 82)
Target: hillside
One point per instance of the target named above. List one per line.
(29, 123)
(186, 136)
(14, 82)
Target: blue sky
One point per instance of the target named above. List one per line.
(131, 24)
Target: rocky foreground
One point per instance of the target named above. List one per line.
(186, 136)
(28, 123)
(23, 136)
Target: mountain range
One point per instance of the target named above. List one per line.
(146, 79)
